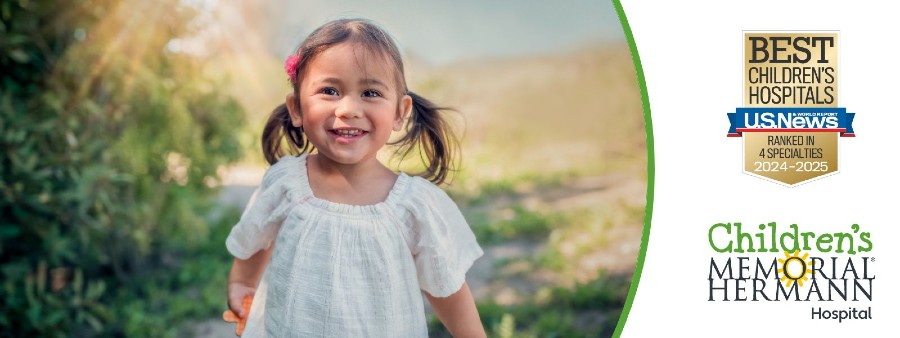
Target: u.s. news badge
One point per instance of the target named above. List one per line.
(790, 120)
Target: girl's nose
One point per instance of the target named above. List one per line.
(349, 108)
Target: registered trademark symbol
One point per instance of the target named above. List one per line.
(872, 259)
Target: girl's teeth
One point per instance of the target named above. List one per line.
(348, 132)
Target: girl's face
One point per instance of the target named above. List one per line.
(349, 104)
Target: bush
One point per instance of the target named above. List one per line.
(586, 310)
(109, 142)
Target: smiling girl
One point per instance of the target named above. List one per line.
(335, 244)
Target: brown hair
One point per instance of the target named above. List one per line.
(426, 128)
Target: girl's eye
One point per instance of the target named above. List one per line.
(371, 93)
(328, 91)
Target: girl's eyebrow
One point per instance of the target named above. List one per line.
(371, 82)
(329, 80)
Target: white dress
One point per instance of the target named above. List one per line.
(341, 270)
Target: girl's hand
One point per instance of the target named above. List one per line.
(244, 277)
(236, 294)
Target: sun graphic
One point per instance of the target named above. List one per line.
(789, 271)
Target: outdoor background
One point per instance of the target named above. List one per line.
(129, 141)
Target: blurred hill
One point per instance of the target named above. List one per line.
(576, 112)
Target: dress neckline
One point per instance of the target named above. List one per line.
(343, 208)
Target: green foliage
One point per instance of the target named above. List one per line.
(108, 144)
(586, 310)
(51, 304)
(520, 222)
(194, 288)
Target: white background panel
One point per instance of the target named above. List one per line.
(691, 54)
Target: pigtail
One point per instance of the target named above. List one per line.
(432, 133)
(278, 127)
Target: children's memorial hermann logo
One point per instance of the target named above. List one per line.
(790, 121)
(831, 271)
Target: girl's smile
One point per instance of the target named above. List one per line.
(347, 135)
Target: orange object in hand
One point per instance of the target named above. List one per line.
(231, 317)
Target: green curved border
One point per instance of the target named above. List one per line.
(648, 212)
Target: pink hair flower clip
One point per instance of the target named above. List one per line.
(290, 66)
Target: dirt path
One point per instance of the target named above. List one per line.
(507, 273)
(492, 277)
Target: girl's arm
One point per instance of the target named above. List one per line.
(244, 277)
(458, 313)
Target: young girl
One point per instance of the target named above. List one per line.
(335, 244)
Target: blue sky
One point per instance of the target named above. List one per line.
(448, 31)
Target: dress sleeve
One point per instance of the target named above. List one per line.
(262, 218)
(445, 246)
